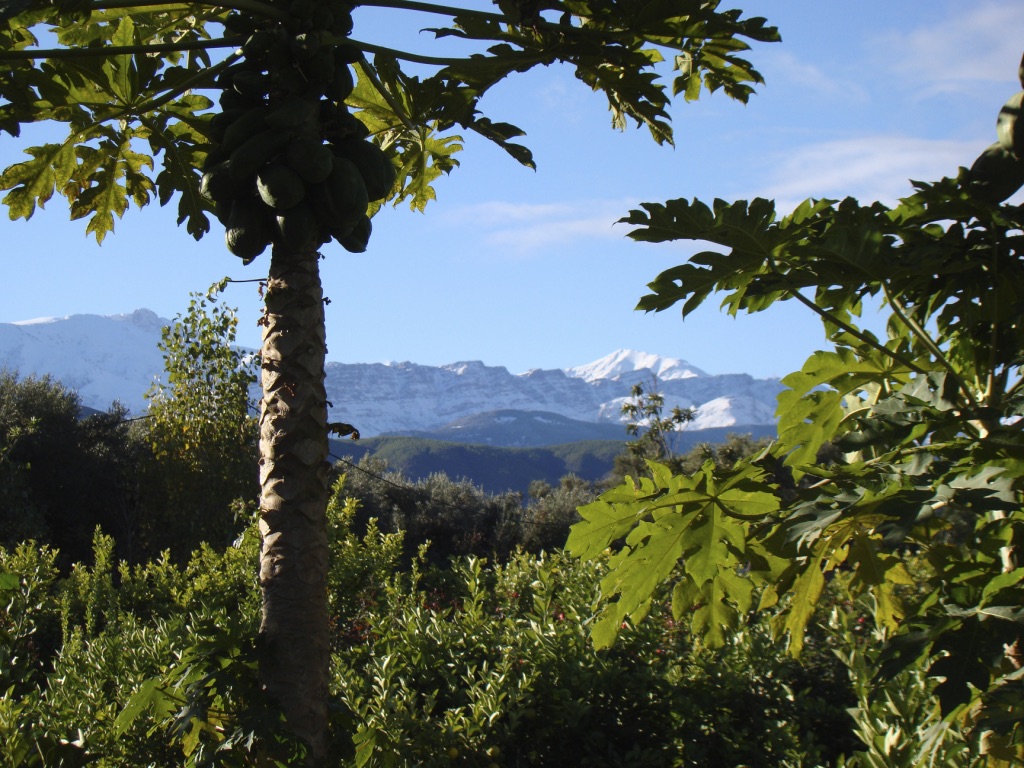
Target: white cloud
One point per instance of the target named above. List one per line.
(868, 168)
(980, 42)
(781, 66)
(522, 228)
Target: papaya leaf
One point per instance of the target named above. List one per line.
(699, 522)
(960, 668)
(401, 111)
(183, 151)
(33, 182)
(878, 574)
(807, 589)
(422, 162)
(102, 196)
(603, 523)
(146, 696)
(810, 416)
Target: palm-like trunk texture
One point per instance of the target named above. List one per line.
(294, 492)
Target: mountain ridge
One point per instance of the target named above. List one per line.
(108, 358)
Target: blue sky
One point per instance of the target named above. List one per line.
(527, 269)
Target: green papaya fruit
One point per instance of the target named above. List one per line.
(346, 53)
(347, 192)
(302, 8)
(279, 186)
(216, 184)
(322, 17)
(323, 209)
(297, 229)
(342, 83)
(259, 44)
(232, 99)
(248, 231)
(215, 155)
(376, 168)
(219, 123)
(305, 45)
(309, 158)
(244, 127)
(253, 154)
(222, 210)
(226, 75)
(340, 124)
(293, 114)
(357, 240)
(342, 12)
(996, 174)
(239, 23)
(1010, 125)
(252, 84)
(320, 66)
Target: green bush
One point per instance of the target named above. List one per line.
(474, 663)
(492, 665)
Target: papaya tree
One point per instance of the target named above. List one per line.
(890, 447)
(313, 129)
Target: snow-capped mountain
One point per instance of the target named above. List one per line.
(627, 362)
(103, 358)
(116, 358)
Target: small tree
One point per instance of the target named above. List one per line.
(656, 433)
(201, 429)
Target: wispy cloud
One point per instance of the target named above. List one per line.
(868, 168)
(522, 228)
(979, 42)
(781, 66)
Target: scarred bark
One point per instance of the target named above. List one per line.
(294, 492)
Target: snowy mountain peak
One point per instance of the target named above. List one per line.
(627, 361)
(117, 358)
(145, 319)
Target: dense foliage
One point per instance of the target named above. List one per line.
(62, 472)
(459, 634)
(476, 663)
(905, 444)
(164, 481)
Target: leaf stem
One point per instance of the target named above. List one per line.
(856, 333)
(926, 339)
(404, 55)
(115, 50)
(202, 75)
(251, 6)
(443, 10)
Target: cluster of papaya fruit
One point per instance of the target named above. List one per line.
(999, 171)
(289, 165)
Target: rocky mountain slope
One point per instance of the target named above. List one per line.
(116, 358)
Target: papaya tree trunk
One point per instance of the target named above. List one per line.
(294, 635)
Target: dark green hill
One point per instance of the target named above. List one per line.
(502, 469)
(494, 469)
